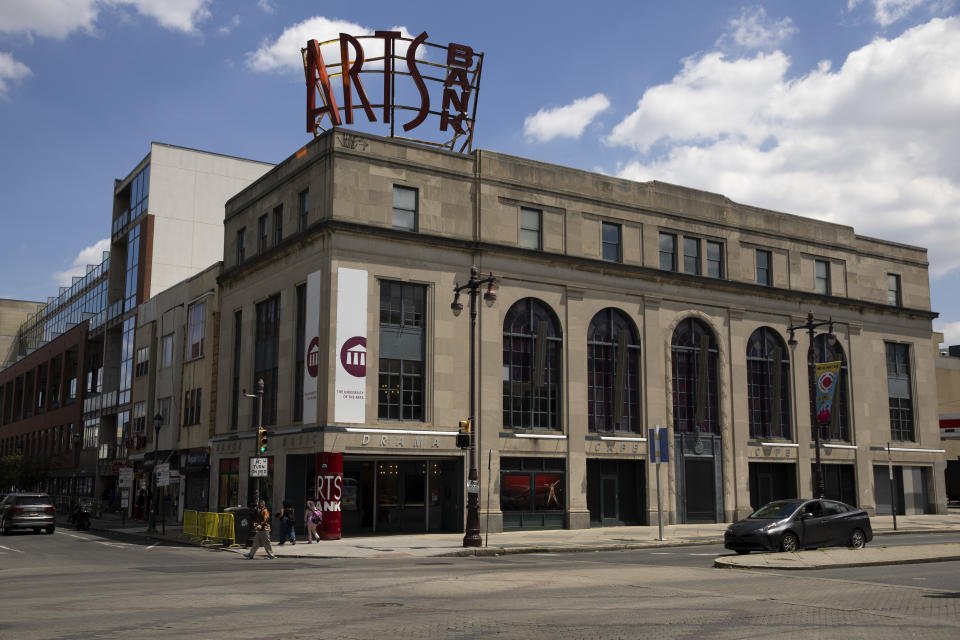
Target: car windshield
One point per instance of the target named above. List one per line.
(33, 500)
(777, 510)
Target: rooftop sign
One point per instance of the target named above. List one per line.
(413, 71)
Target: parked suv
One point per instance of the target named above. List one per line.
(27, 511)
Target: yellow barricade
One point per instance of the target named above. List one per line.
(191, 524)
(208, 527)
(226, 530)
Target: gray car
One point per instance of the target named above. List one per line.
(790, 525)
(27, 511)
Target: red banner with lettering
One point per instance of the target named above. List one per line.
(329, 492)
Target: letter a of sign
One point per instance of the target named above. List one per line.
(317, 78)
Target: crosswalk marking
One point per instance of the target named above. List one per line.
(9, 549)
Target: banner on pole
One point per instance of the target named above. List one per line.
(349, 398)
(659, 449)
(826, 375)
(311, 347)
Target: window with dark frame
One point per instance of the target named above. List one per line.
(530, 228)
(613, 374)
(277, 224)
(404, 208)
(235, 400)
(191, 406)
(694, 356)
(303, 207)
(142, 366)
(768, 385)
(900, 392)
(821, 277)
(764, 269)
(241, 244)
(532, 359)
(714, 259)
(894, 293)
(402, 351)
(610, 239)
(166, 351)
(262, 233)
(299, 349)
(691, 256)
(196, 329)
(266, 356)
(668, 252)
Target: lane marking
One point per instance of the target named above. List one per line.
(9, 549)
(152, 546)
(714, 555)
(64, 533)
(661, 553)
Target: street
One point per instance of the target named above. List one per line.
(81, 585)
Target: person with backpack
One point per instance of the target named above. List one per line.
(312, 518)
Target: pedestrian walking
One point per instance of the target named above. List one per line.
(138, 513)
(287, 529)
(261, 525)
(312, 517)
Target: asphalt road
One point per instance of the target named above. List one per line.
(79, 585)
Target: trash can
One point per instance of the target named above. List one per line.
(242, 525)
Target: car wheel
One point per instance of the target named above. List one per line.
(50, 529)
(789, 542)
(857, 539)
(4, 529)
(742, 552)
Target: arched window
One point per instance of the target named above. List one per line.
(839, 427)
(694, 351)
(532, 346)
(768, 383)
(613, 373)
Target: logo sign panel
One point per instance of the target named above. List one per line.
(311, 360)
(329, 493)
(419, 82)
(350, 382)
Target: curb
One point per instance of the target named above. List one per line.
(726, 564)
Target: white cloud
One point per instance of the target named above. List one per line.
(874, 144)
(950, 331)
(266, 6)
(753, 30)
(230, 26)
(886, 12)
(283, 54)
(89, 255)
(59, 18)
(564, 122)
(11, 71)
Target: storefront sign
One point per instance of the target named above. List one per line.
(311, 360)
(163, 474)
(125, 478)
(399, 442)
(329, 492)
(454, 73)
(349, 398)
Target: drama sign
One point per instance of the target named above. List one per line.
(410, 68)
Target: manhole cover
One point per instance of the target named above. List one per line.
(383, 604)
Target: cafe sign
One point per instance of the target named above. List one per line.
(428, 87)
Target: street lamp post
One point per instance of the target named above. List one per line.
(257, 427)
(471, 536)
(810, 326)
(152, 519)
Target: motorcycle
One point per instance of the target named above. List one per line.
(80, 518)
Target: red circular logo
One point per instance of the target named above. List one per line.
(353, 356)
(313, 357)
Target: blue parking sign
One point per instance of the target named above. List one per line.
(659, 448)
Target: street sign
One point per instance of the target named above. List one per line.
(258, 467)
(125, 479)
(163, 474)
(659, 449)
(473, 486)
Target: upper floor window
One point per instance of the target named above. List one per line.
(299, 349)
(530, 233)
(894, 294)
(691, 256)
(764, 267)
(166, 351)
(668, 252)
(823, 351)
(768, 385)
(404, 208)
(192, 401)
(821, 277)
(402, 304)
(613, 374)
(402, 351)
(714, 259)
(262, 231)
(266, 355)
(241, 244)
(900, 392)
(612, 250)
(277, 224)
(142, 362)
(303, 206)
(532, 359)
(694, 356)
(196, 328)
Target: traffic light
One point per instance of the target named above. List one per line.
(261, 440)
(463, 436)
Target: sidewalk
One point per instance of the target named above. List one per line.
(593, 539)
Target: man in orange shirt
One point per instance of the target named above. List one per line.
(261, 525)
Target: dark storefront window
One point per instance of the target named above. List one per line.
(532, 492)
(694, 351)
(839, 482)
(267, 355)
(532, 346)
(768, 384)
(299, 348)
(229, 483)
(613, 374)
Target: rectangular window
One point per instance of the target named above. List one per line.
(277, 224)
(192, 400)
(166, 351)
(266, 355)
(139, 417)
(714, 259)
(241, 244)
(163, 408)
(668, 252)
(143, 362)
(298, 349)
(764, 271)
(303, 206)
(894, 297)
(402, 361)
(404, 208)
(262, 237)
(235, 400)
(530, 237)
(610, 238)
(691, 256)
(900, 392)
(821, 277)
(196, 328)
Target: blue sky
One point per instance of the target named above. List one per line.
(844, 110)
